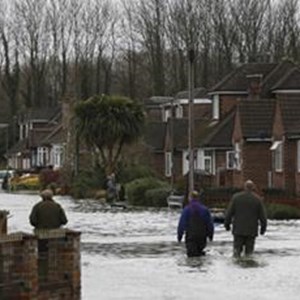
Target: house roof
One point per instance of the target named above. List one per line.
(221, 134)
(281, 76)
(181, 132)
(20, 146)
(56, 136)
(37, 135)
(154, 135)
(256, 117)
(236, 81)
(290, 81)
(198, 93)
(40, 114)
(157, 100)
(290, 110)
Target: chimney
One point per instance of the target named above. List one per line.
(254, 85)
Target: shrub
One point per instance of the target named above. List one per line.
(221, 192)
(157, 197)
(276, 193)
(282, 212)
(84, 184)
(137, 189)
(129, 173)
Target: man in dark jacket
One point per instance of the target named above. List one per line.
(245, 212)
(196, 222)
(47, 214)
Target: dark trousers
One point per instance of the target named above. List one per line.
(195, 247)
(243, 243)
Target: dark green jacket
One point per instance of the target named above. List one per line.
(47, 214)
(245, 212)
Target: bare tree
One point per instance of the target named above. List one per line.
(10, 41)
(287, 37)
(249, 16)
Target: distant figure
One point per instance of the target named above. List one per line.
(196, 222)
(5, 182)
(47, 214)
(245, 212)
(111, 188)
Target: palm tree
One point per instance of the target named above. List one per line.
(108, 123)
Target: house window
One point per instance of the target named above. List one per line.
(166, 114)
(57, 156)
(277, 147)
(216, 107)
(230, 160)
(168, 164)
(42, 155)
(238, 158)
(208, 161)
(298, 155)
(179, 111)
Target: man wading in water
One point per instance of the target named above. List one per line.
(196, 222)
(246, 212)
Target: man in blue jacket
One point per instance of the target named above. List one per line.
(196, 222)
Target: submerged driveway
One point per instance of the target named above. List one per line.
(134, 255)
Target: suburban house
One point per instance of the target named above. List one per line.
(160, 108)
(252, 131)
(40, 141)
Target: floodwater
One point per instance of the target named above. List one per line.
(132, 255)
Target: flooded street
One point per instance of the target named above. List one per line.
(134, 255)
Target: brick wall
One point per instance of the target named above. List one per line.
(199, 110)
(257, 161)
(290, 165)
(44, 266)
(227, 102)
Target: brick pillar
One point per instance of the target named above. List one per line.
(3, 221)
(18, 268)
(72, 262)
(62, 264)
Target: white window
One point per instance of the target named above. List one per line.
(179, 111)
(42, 156)
(216, 107)
(298, 155)
(168, 164)
(186, 162)
(277, 148)
(57, 156)
(166, 114)
(238, 158)
(230, 160)
(278, 158)
(208, 161)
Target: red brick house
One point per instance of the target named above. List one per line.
(286, 145)
(254, 114)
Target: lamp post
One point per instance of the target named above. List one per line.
(191, 58)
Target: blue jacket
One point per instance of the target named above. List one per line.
(196, 222)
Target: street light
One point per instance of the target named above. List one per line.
(191, 58)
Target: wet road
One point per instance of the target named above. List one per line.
(134, 255)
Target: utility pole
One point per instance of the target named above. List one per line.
(191, 58)
(172, 144)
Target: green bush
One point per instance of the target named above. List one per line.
(129, 173)
(276, 193)
(84, 184)
(221, 191)
(157, 197)
(136, 189)
(282, 212)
